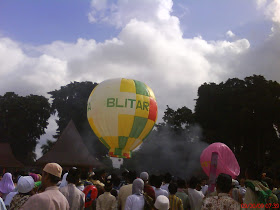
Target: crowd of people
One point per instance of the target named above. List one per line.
(76, 189)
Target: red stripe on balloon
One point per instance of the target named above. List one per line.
(153, 110)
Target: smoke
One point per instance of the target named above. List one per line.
(167, 151)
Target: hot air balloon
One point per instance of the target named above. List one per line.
(122, 113)
(227, 162)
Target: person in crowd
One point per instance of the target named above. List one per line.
(276, 183)
(99, 185)
(162, 203)
(174, 202)
(64, 182)
(102, 176)
(242, 188)
(195, 196)
(106, 201)
(166, 180)
(34, 176)
(158, 190)
(136, 201)
(74, 196)
(2, 204)
(256, 191)
(51, 198)
(204, 186)
(181, 193)
(222, 201)
(126, 190)
(147, 188)
(6, 185)
(25, 191)
(234, 192)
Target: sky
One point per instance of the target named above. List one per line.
(172, 46)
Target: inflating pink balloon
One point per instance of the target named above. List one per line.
(227, 162)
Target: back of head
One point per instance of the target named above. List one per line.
(54, 171)
(73, 175)
(162, 203)
(167, 178)
(6, 183)
(144, 176)
(131, 176)
(137, 186)
(181, 183)
(108, 185)
(25, 184)
(224, 183)
(172, 188)
(158, 181)
(193, 182)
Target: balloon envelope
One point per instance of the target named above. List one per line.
(122, 112)
(227, 162)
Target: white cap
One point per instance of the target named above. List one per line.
(25, 184)
(162, 203)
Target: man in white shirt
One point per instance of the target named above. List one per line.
(195, 196)
(158, 190)
(167, 179)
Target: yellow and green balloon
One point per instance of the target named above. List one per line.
(122, 113)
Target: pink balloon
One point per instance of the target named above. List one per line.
(227, 162)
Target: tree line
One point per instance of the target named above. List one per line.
(244, 114)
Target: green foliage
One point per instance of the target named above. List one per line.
(242, 114)
(70, 102)
(23, 120)
(47, 147)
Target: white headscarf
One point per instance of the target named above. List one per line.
(137, 187)
(64, 182)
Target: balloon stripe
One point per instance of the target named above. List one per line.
(127, 85)
(125, 124)
(151, 93)
(141, 88)
(122, 141)
(148, 127)
(129, 144)
(142, 106)
(153, 110)
(104, 142)
(138, 126)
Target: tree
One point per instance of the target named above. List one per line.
(47, 147)
(70, 102)
(242, 114)
(22, 121)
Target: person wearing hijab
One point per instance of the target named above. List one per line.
(64, 181)
(6, 185)
(136, 201)
(25, 190)
(34, 176)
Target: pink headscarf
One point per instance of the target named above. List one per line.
(34, 176)
(7, 184)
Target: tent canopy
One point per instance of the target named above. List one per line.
(70, 150)
(7, 158)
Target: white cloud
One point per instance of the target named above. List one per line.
(230, 34)
(150, 48)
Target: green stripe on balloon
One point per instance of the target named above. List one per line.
(138, 126)
(148, 134)
(104, 142)
(141, 88)
(122, 141)
(118, 151)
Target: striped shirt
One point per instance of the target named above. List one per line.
(175, 203)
